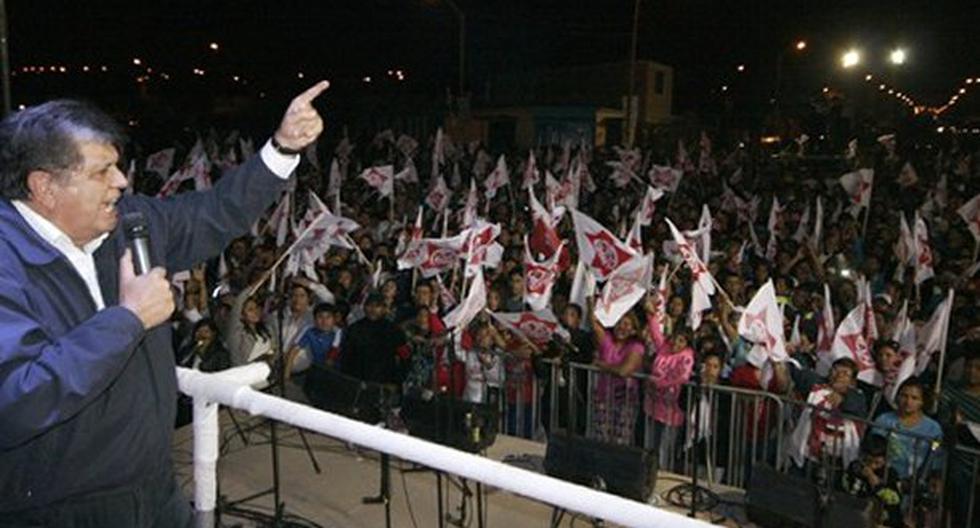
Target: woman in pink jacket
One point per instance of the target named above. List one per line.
(673, 363)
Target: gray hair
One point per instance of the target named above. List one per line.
(47, 137)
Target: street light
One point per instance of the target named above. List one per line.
(850, 59)
(799, 47)
(897, 56)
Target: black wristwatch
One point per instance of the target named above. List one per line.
(283, 150)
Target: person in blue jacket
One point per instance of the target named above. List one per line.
(87, 380)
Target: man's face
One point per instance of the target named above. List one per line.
(84, 200)
(517, 284)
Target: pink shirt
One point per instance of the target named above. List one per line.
(670, 371)
(615, 353)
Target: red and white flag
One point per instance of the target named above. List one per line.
(858, 186)
(933, 335)
(701, 237)
(762, 324)
(336, 179)
(480, 248)
(472, 305)
(537, 327)
(280, 218)
(773, 225)
(439, 194)
(544, 233)
(818, 224)
(539, 278)
(598, 247)
(666, 178)
(498, 178)
(472, 205)
(624, 288)
(621, 174)
(161, 162)
(408, 174)
(825, 334)
(634, 239)
(888, 141)
(923, 253)
(970, 213)
(803, 226)
(433, 255)
(583, 286)
(530, 177)
(407, 145)
(905, 335)
(702, 285)
(851, 341)
(381, 178)
(649, 205)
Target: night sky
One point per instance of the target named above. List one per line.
(704, 41)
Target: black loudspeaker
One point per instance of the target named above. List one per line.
(460, 424)
(774, 499)
(626, 471)
(339, 393)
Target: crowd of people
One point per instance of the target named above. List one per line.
(874, 429)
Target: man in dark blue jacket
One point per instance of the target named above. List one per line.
(87, 381)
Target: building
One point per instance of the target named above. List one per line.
(574, 103)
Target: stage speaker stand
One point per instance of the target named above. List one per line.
(775, 499)
(626, 471)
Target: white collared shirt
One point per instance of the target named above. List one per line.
(82, 259)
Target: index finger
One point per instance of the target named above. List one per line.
(311, 93)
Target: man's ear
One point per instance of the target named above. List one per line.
(40, 185)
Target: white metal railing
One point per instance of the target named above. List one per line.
(231, 388)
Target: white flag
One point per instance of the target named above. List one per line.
(438, 196)
(381, 178)
(598, 247)
(472, 305)
(539, 278)
(583, 285)
(923, 253)
(762, 324)
(933, 335)
(970, 213)
(649, 204)
(498, 178)
(858, 185)
(851, 341)
(803, 226)
(408, 173)
(161, 162)
(624, 288)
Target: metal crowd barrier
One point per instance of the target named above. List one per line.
(747, 427)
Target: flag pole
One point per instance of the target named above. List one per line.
(360, 254)
(864, 227)
(282, 257)
(942, 350)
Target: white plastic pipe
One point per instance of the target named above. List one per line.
(218, 388)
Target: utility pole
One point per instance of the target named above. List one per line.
(461, 19)
(4, 57)
(631, 92)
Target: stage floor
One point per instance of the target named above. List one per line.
(333, 497)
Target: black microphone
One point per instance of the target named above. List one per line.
(139, 236)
